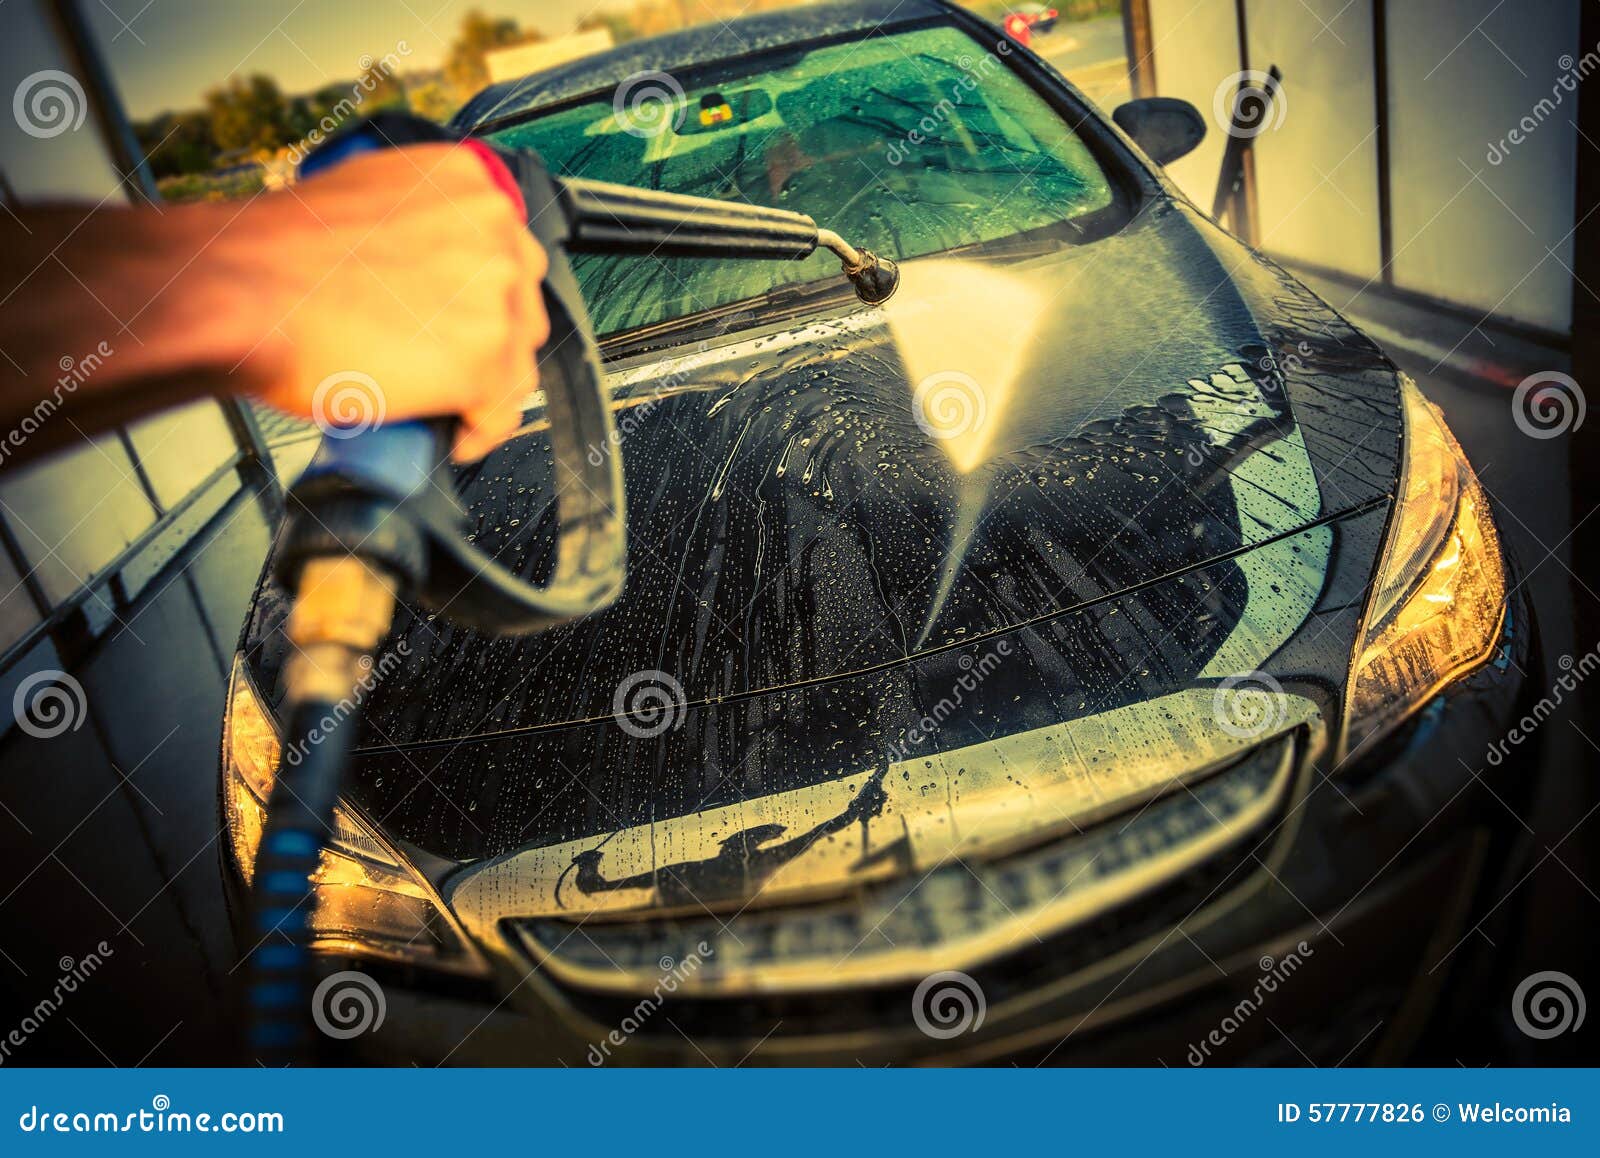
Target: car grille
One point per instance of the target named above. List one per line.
(1008, 919)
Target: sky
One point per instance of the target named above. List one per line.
(164, 54)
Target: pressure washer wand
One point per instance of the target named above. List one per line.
(619, 219)
(374, 520)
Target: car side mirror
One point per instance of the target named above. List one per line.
(1166, 128)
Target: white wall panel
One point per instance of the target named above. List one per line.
(74, 513)
(52, 150)
(1463, 75)
(1196, 48)
(181, 448)
(1317, 169)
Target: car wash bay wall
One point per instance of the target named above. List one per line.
(125, 565)
(1427, 145)
(83, 534)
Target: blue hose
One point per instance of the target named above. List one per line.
(299, 819)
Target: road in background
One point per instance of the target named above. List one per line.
(1091, 54)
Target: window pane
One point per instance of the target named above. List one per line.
(75, 513)
(182, 448)
(18, 613)
(1485, 153)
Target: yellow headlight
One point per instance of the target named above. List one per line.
(250, 750)
(1440, 598)
(367, 901)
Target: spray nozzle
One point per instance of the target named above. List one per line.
(875, 278)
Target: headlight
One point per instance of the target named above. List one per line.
(1440, 598)
(367, 900)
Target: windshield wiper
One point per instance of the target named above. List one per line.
(787, 301)
(777, 304)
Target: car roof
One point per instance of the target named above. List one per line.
(689, 49)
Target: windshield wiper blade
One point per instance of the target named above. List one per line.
(784, 301)
(772, 305)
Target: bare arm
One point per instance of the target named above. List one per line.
(405, 276)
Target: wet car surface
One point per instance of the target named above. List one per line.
(890, 692)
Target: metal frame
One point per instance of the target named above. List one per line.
(104, 103)
(1140, 47)
(1380, 72)
(1244, 209)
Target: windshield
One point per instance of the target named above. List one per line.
(909, 144)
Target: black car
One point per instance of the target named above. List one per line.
(1064, 662)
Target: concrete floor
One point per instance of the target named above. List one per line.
(110, 833)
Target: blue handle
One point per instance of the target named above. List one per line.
(395, 459)
(361, 139)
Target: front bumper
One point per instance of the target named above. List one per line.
(1324, 929)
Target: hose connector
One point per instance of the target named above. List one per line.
(342, 610)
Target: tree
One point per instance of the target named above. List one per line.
(329, 101)
(619, 24)
(248, 114)
(380, 88)
(433, 100)
(176, 143)
(480, 34)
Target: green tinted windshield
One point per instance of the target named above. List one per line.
(908, 144)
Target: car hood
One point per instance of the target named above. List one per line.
(815, 560)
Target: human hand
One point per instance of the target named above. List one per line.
(401, 284)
